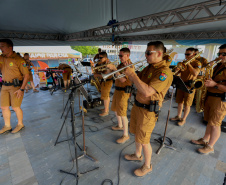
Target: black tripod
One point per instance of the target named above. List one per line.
(71, 110)
(177, 82)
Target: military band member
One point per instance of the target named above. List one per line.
(188, 76)
(105, 85)
(15, 76)
(123, 87)
(152, 84)
(215, 105)
(66, 74)
(29, 66)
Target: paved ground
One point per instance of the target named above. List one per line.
(30, 157)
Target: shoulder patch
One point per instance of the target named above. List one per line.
(23, 63)
(163, 76)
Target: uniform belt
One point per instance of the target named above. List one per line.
(138, 104)
(220, 95)
(126, 89)
(152, 106)
(5, 83)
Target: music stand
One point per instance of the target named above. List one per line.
(178, 83)
(71, 109)
(87, 96)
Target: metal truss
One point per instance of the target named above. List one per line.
(176, 36)
(208, 11)
(30, 36)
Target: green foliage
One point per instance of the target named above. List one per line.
(86, 50)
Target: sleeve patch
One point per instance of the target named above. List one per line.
(163, 76)
(23, 63)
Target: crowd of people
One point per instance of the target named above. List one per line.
(152, 84)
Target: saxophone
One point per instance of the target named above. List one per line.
(201, 93)
(95, 81)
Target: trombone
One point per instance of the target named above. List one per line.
(183, 65)
(105, 76)
(104, 67)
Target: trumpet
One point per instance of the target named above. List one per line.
(104, 67)
(105, 76)
(183, 65)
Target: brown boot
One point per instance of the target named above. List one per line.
(199, 142)
(116, 128)
(133, 157)
(18, 128)
(5, 130)
(122, 140)
(175, 119)
(206, 150)
(35, 90)
(140, 172)
(104, 114)
(181, 123)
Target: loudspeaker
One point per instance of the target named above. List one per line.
(95, 103)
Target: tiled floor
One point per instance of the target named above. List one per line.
(30, 157)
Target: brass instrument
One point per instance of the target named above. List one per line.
(183, 65)
(95, 81)
(201, 93)
(104, 67)
(105, 76)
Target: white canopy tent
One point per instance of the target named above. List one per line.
(84, 22)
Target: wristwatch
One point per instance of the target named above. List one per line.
(22, 89)
(215, 87)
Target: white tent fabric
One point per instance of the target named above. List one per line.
(45, 49)
(72, 16)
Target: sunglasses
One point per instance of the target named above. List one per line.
(120, 55)
(149, 52)
(223, 54)
(187, 54)
(101, 57)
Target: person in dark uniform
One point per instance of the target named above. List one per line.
(15, 76)
(152, 84)
(215, 105)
